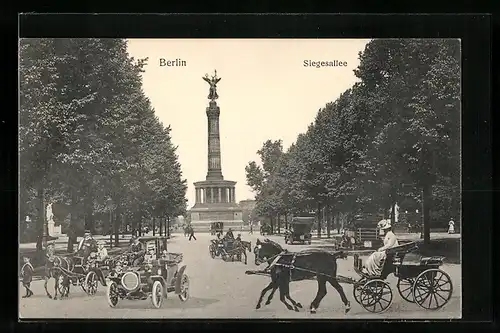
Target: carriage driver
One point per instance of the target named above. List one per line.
(375, 261)
(229, 234)
(136, 248)
(87, 245)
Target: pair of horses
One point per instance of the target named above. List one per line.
(285, 267)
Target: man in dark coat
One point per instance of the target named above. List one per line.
(191, 233)
(27, 276)
(229, 234)
(87, 245)
(138, 251)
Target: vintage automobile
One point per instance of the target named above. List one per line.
(155, 277)
(300, 230)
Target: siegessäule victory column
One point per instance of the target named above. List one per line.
(215, 205)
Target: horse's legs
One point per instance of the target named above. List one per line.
(320, 294)
(271, 285)
(335, 284)
(46, 278)
(56, 286)
(245, 254)
(271, 295)
(284, 285)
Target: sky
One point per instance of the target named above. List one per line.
(265, 92)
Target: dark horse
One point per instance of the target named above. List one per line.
(285, 267)
(65, 270)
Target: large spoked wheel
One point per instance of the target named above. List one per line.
(157, 294)
(112, 294)
(91, 283)
(432, 289)
(212, 251)
(376, 296)
(62, 287)
(405, 289)
(184, 294)
(356, 290)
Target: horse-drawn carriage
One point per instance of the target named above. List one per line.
(229, 249)
(300, 230)
(420, 280)
(265, 229)
(78, 271)
(216, 227)
(156, 276)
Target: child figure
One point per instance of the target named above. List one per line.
(27, 276)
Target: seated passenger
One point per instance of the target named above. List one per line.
(102, 253)
(229, 234)
(375, 262)
(137, 251)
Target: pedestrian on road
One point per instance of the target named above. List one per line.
(191, 233)
(451, 227)
(27, 276)
(251, 229)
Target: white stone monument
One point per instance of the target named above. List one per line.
(52, 229)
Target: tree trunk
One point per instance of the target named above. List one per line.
(72, 223)
(42, 227)
(328, 212)
(154, 225)
(426, 196)
(272, 225)
(318, 217)
(161, 224)
(278, 223)
(393, 213)
(89, 212)
(168, 226)
(286, 221)
(116, 222)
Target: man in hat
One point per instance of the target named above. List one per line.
(229, 234)
(137, 250)
(374, 263)
(86, 246)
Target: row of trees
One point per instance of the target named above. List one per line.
(394, 137)
(89, 137)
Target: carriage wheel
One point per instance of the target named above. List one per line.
(184, 294)
(91, 283)
(356, 290)
(432, 289)
(376, 296)
(212, 251)
(112, 294)
(157, 294)
(405, 289)
(61, 288)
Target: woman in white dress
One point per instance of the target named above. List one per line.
(374, 263)
(451, 227)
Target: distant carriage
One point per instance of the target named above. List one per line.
(300, 230)
(216, 227)
(152, 278)
(265, 229)
(230, 249)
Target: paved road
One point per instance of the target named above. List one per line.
(222, 290)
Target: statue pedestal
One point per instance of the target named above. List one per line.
(53, 229)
